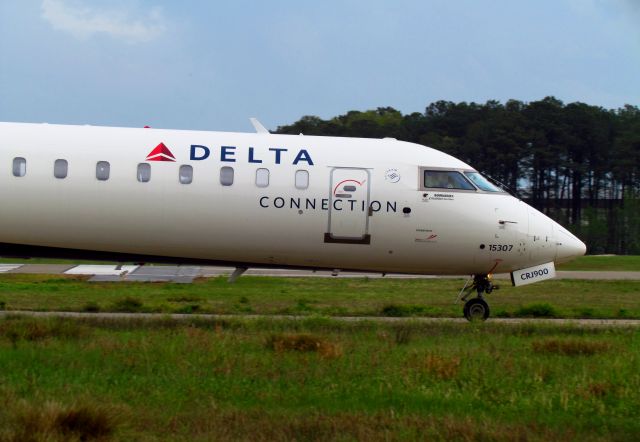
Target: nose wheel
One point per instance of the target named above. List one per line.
(477, 309)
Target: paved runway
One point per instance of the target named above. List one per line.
(186, 274)
(186, 317)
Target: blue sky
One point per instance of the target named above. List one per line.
(211, 65)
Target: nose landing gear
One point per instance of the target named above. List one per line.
(477, 309)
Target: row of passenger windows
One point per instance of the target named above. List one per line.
(185, 173)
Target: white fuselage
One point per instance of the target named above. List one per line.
(317, 202)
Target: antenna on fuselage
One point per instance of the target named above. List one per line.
(260, 129)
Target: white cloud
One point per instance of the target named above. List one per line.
(84, 22)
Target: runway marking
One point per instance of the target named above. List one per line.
(103, 270)
(384, 319)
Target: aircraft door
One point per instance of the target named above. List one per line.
(349, 200)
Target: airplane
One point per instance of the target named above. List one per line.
(265, 200)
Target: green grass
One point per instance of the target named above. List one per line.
(315, 380)
(620, 263)
(323, 296)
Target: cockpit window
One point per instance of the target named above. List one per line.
(445, 179)
(482, 182)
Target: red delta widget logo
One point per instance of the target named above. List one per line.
(161, 153)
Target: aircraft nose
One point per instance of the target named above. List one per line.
(568, 246)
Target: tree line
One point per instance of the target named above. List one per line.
(578, 163)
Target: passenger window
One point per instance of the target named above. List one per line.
(445, 179)
(186, 174)
(302, 179)
(19, 166)
(60, 169)
(144, 172)
(102, 170)
(262, 177)
(226, 176)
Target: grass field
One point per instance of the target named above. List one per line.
(319, 296)
(315, 380)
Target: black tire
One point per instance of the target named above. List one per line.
(476, 309)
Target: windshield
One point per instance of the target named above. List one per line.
(482, 182)
(445, 179)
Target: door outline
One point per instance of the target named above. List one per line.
(366, 237)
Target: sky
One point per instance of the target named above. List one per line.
(208, 65)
